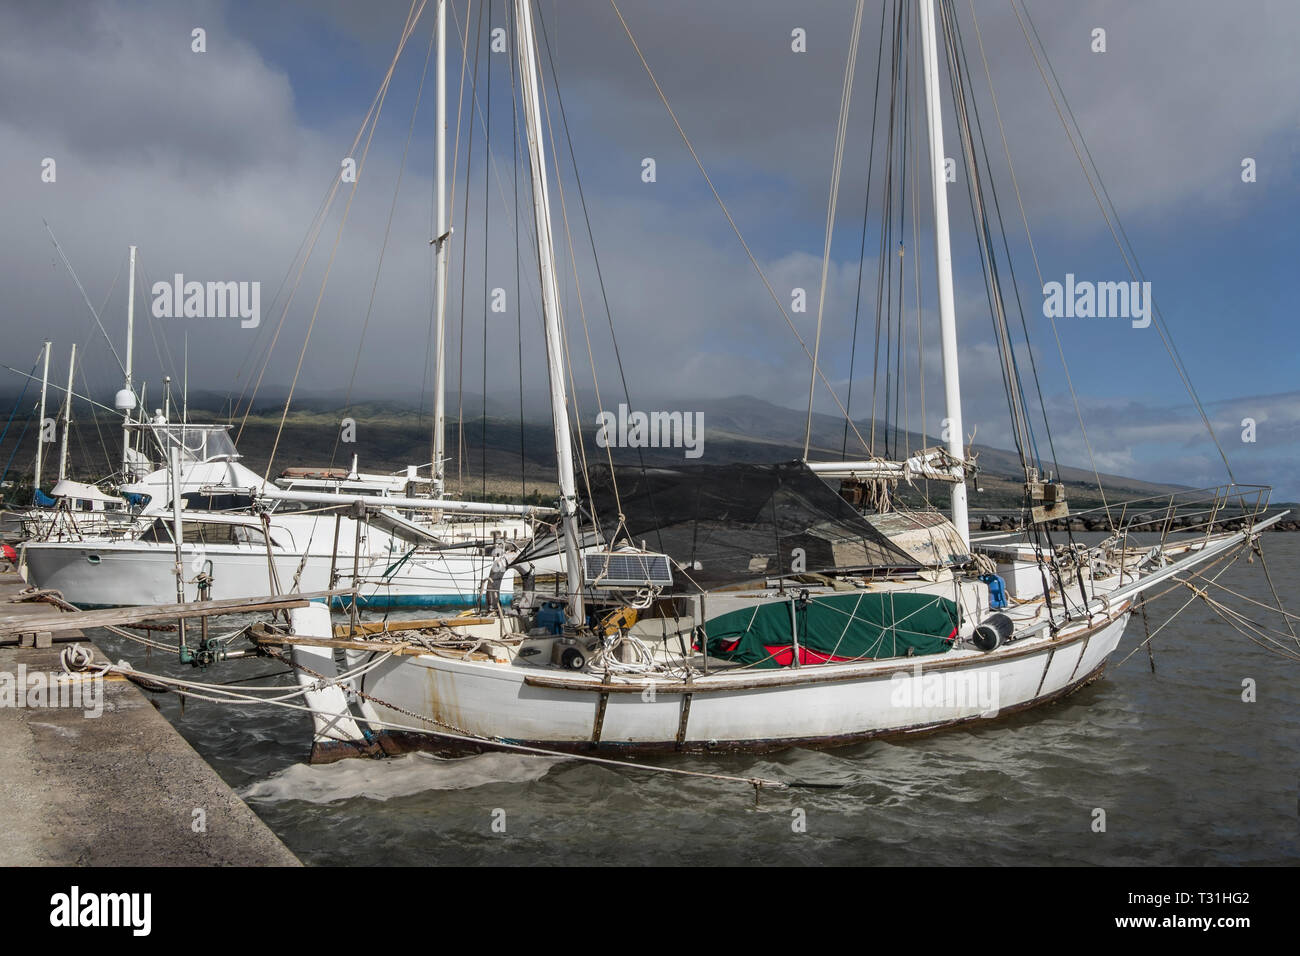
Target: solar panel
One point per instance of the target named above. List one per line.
(627, 569)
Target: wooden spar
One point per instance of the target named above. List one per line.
(378, 627)
(12, 625)
(260, 634)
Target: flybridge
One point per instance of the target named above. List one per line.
(195, 442)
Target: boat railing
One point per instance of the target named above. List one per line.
(1232, 506)
(196, 443)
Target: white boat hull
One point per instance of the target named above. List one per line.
(123, 573)
(744, 710)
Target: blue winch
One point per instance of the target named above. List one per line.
(997, 590)
(551, 616)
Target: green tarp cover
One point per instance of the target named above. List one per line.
(835, 627)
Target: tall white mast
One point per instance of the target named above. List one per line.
(440, 241)
(126, 397)
(943, 256)
(185, 384)
(67, 417)
(40, 432)
(550, 306)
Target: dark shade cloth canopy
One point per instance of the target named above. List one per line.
(726, 524)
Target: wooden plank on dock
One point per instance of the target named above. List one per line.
(14, 624)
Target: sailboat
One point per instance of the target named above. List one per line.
(773, 612)
(71, 508)
(231, 549)
(243, 537)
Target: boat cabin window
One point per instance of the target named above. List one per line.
(243, 534)
(198, 532)
(197, 501)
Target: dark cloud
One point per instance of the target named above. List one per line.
(216, 164)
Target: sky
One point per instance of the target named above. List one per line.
(216, 162)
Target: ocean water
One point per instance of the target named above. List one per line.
(1185, 770)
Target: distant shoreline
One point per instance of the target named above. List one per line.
(1009, 522)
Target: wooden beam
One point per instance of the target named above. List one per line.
(16, 624)
(261, 634)
(378, 627)
(276, 639)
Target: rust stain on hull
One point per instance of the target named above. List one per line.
(331, 751)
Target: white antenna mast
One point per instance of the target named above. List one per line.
(40, 432)
(125, 401)
(67, 417)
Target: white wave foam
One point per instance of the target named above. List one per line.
(396, 777)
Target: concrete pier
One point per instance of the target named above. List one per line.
(120, 789)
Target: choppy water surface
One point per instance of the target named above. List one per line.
(1186, 772)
